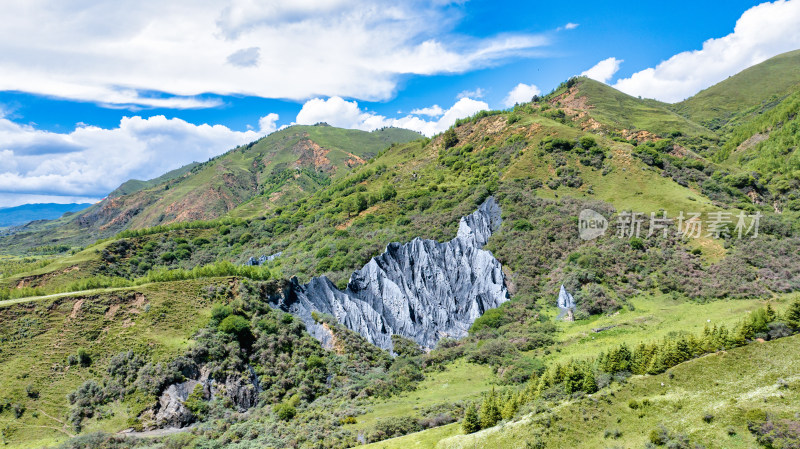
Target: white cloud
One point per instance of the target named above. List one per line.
(267, 124)
(433, 111)
(89, 162)
(346, 114)
(521, 93)
(761, 32)
(568, 26)
(114, 52)
(603, 70)
(477, 93)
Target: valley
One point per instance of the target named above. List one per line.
(410, 296)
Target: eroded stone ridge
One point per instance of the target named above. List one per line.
(423, 290)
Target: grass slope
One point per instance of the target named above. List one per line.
(281, 167)
(752, 88)
(38, 337)
(724, 385)
(619, 111)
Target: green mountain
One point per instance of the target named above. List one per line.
(134, 185)
(255, 177)
(749, 92)
(676, 341)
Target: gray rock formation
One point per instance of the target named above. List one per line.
(422, 290)
(565, 299)
(262, 260)
(171, 411)
(566, 303)
(241, 389)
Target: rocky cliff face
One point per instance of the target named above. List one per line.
(422, 290)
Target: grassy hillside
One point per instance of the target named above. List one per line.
(745, 93)
(328, 207)
(134, 185)
(277, 169)
(712, 401)
(606, 107)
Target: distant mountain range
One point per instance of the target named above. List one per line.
(14, 216)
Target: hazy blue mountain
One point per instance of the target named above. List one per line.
(13, 216)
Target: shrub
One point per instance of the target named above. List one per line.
(315, 361)
(32, 392)
(449, 138)
(234, 324)
(285, 411)
(587, 142)
(393, 427)
(19, 410)
(83, 357)
(219, 312)
(85, 401)
(196, 403)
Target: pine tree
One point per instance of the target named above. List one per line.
(792, 316)
(589, 384)
(510, 408)
(490, 413)
(471, 423)
(771, 315)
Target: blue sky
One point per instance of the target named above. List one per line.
(92, 94)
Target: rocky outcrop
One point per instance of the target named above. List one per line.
(565, 299)
(423, 290)
(172, 411)
(566, 303)
(240, 389)
(253, 261)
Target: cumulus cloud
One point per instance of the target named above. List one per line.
(477, 93)
(433, 111)
(90, 161)
(521, 93)
(568, 26)
(114, 52)
(347, 114)
(246, 57)
(761, 32)
(603, 70)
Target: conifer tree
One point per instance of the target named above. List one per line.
(490, 413)
(589, 384)
(510, 407)
(471, 423)
(792, 316)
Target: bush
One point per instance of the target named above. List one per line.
(234, 324)
(32, 392)
(393, 427)
(85, 401)
(196, 403)
(83, 357)
(285, 411)
(449, 138)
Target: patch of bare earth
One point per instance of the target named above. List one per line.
(754, 140)
(311, 155)
(76, 308)
(577, 108)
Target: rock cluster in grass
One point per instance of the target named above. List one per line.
(423, 290)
